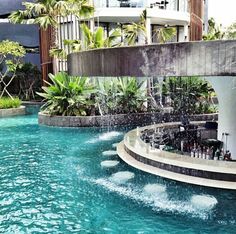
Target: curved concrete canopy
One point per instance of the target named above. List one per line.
(205, 58)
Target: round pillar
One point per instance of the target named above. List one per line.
(225, 87)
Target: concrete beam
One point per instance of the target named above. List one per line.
(205, 58)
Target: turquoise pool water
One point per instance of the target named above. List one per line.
(52, 181)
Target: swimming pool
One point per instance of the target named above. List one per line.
(56, 180)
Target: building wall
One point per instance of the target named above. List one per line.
(197, 19)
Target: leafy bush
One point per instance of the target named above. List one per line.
(121, 96)
(68, 95)
(10, 60)
(189, 95)
(6, 103)
(29, 81)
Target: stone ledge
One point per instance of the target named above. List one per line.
(12, 111)
(135, 119)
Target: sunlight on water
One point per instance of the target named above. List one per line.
(203, 202)
(109, 152)
(122, 177)
(109, 163)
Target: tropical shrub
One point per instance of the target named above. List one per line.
(189, 95)
(29, 81)
(68, 95)
(10, 60)
(7, 102)
(121, 96)
(91, 40)
(106, 96)
(215, 32)
(131, 95)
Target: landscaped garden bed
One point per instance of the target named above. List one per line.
(11, 107)
(86, 102)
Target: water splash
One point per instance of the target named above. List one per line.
(114, 145)
(153, 189)
(105, 137)
(109, 135)
(122, 177)
(109, 163)
(157, 203)
(203, 202)
(109, 153)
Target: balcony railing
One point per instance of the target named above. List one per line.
(176, 5)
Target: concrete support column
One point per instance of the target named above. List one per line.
(92, 25)
(186, 32)
(225, 87)
(148, 30)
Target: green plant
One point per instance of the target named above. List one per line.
(133, 30)
(45, 12)
(10, 60)
(91, 40)
(68, 95)
(106, 96)
(164, 34)
(29, 81)
(215, 32)
(121, 96)
(131, 95)
(231, 32)
(189, 95)
(6, 103)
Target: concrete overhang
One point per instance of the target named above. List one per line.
(126, 15)
(206, 58)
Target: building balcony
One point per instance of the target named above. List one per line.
(127, 15)
(174, 5)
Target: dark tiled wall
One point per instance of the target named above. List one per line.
(183, 170)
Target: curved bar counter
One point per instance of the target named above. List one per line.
(210, 173)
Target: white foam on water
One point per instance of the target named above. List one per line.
(122, 177)
(203, 202)
(109, 152)
(109, 135)
(153, 189)
(109, 163)
(114, 145)
(105, 137)
(156, 190)
(157, 203)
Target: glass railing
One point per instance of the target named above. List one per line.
(119, 3)
(176, 5)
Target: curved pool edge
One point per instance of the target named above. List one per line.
(195, 165)
(21, 110)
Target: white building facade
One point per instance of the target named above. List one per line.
(171, 13)
(187, 16)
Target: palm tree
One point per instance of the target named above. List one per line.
(45, 12)
(91, 40)
(164, 34)
(132, 31)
